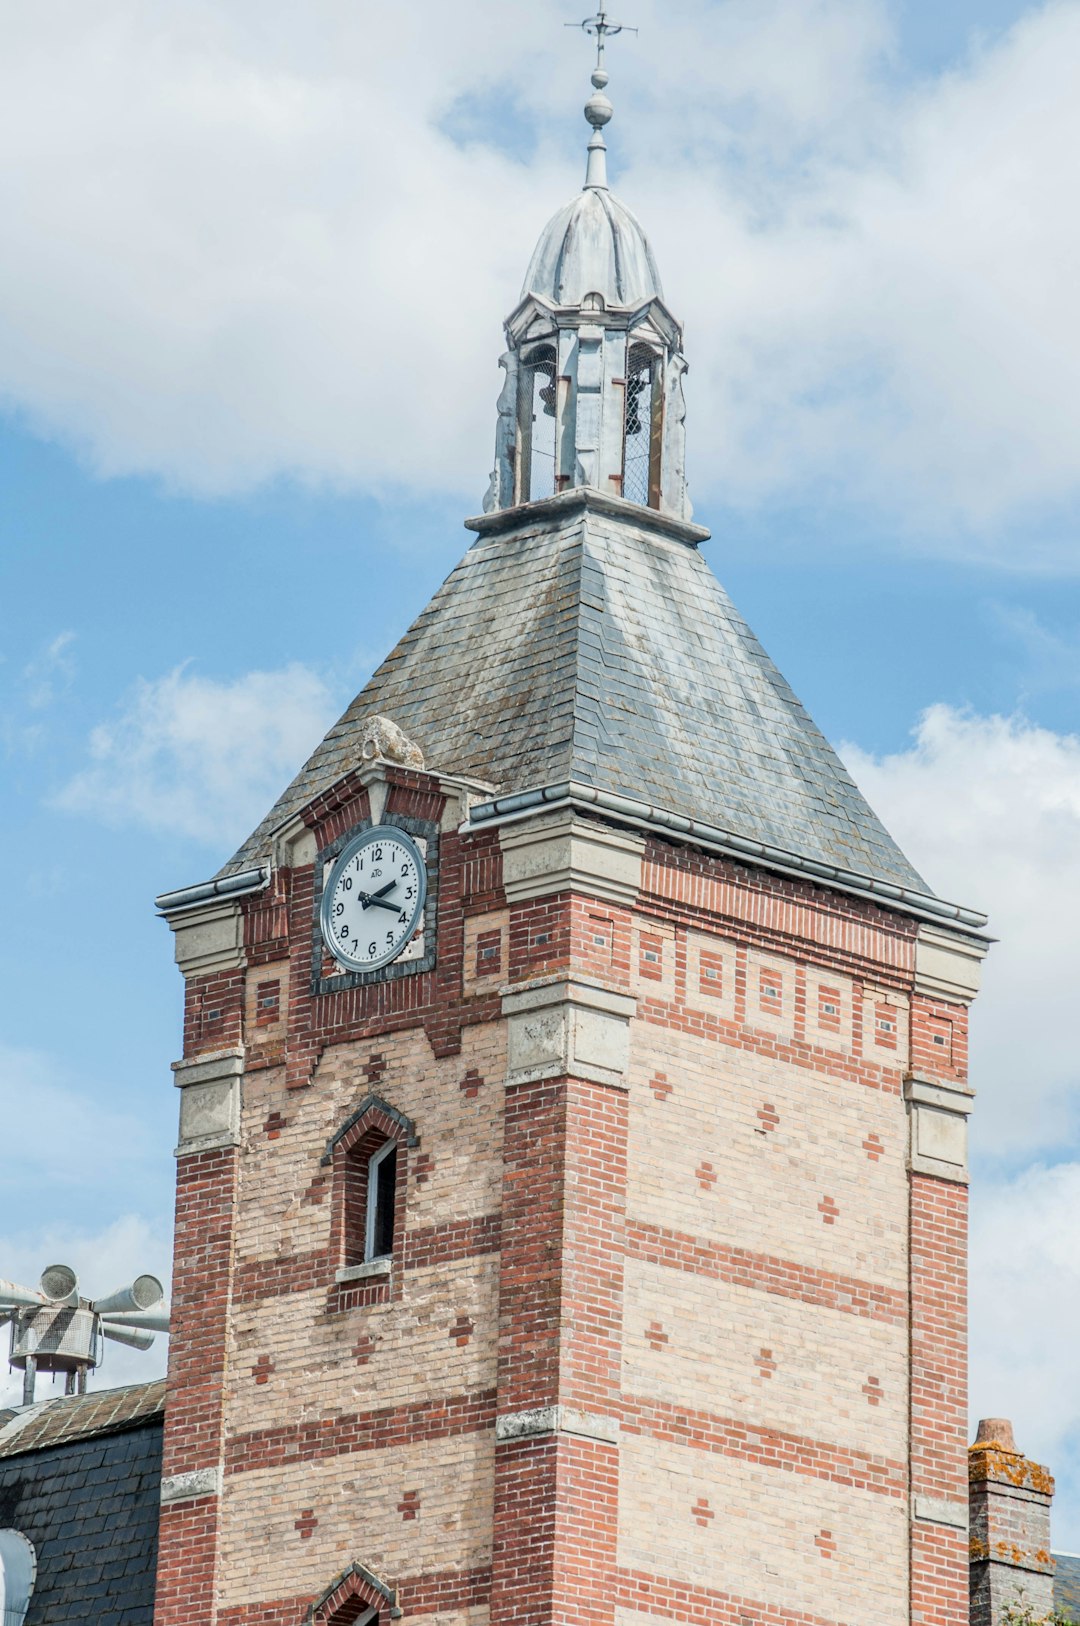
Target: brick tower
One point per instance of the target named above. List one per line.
(571, 1176)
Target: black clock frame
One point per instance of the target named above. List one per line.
(422, 829)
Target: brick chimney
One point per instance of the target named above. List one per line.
(1010, 1527)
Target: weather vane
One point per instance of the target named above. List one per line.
(598, 108)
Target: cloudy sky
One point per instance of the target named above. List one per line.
(256, 255)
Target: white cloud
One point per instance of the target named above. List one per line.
(51, 672)
(59, 1133)
(239, 242)
(1025, 1322)
(988, 808)
(103, 1260)
(200, 757)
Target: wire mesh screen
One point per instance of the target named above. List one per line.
(640, 387)
(542, 471)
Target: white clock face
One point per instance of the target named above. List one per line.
(373, 898)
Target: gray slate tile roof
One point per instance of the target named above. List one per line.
(82, 1481)
(1067, 1584)
(575, 642)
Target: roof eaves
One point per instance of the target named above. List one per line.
(678, 826)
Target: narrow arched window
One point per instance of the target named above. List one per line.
(381, 1200)
(537, 424)
(644, 427)
(370, 1193)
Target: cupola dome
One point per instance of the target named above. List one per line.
(595, 245)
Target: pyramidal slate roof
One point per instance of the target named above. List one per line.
(586, 640)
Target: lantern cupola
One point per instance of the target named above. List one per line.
(593, 394)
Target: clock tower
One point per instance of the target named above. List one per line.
(571, 1178)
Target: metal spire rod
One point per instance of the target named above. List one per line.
(598, 109)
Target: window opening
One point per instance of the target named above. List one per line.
(381, 1194)
(539, 425)
(641, 458)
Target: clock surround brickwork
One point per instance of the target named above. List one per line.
(561, 1220)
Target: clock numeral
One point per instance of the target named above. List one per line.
(389, 939)
(405, 868)
(339, 908)
(344, 931)
(410, 891)
(346, 884)
(373, 949)
(377, 855)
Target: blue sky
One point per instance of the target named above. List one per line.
(249, 327)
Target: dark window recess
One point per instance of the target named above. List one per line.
(382, 1195)
(643, 427)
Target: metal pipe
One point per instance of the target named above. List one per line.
(228, 886)
(555, 798)
(154, 1320)
(29, 1376)
(130, 1336)
(141, 1294)
(11, 1294)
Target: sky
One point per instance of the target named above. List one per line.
(256, 262)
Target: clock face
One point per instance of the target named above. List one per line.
(373, 898)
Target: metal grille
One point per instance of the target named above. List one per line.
(640, 386)
(542, 364)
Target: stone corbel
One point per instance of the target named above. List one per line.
(209, 1101)
(209, 938)
(568, 1028)
(948, 965)
(938, 1115)
(563, 852)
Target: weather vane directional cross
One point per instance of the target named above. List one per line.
(602, 27)
(598, 109)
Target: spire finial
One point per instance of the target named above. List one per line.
(598, 109)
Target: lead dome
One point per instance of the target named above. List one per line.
(595, 245)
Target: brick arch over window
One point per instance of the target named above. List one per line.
(371, 1145)
(350, 1598)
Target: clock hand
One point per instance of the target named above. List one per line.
(382, 903)
(369, 898)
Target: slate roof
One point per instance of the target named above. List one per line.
(1067, 1584)
(579, 639)
(81, 1479)
(79, 1417)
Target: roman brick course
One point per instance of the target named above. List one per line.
(763, 1542)
(642, 1596)
(819, 1359)
(768, 1447)
(341, 1434)
(355, 1498)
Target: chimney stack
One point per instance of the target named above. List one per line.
(1010, 1528)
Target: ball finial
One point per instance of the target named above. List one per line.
(598, 110)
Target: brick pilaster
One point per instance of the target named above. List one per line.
(939, 1563)
(193, 1448)
(556, 1472)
